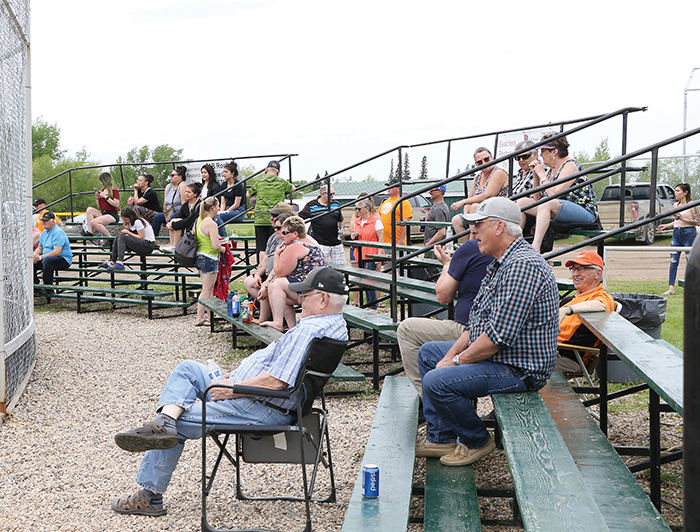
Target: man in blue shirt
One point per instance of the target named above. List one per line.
(323, 294)
(53, 252)
(509, 345)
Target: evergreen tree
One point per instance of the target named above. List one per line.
(424, 168)
(397, 174)
(391, 171)
(406, 169)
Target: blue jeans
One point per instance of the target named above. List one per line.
(225, 216)
(682, 237)
(185, 385)
(572, 213)
(371, 294)
(158, 221)
(448, 394)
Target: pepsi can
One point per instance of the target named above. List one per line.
(370, 481)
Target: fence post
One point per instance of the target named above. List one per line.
(691, 390)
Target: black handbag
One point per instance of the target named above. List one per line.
(186, 249)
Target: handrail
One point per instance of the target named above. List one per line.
(597, 120)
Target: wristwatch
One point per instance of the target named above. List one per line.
(455, 360)
(569, 310)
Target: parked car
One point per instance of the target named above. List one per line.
(637, 200)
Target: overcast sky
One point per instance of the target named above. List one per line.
(340, 82)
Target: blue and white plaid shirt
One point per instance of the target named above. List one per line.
(283, 357)
(518, 308)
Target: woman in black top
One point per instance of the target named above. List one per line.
(233, 199)
(145, 200)
(185, 218)
(210, 186)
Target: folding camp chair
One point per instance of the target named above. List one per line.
(301, 442)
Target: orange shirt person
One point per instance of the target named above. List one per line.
(403, 213)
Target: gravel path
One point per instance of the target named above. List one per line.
(102, 372)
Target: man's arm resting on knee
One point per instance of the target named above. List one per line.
(264, 380)
(482, 349)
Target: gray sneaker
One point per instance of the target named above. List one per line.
(148, 437)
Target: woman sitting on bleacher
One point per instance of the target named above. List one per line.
(576, 207)
(208, 249)
(184, 219)
(294, 259)
(137, 236)
(145, 200)
(108, 208)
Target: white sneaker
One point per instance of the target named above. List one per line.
(167, 249)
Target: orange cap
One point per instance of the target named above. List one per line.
(586, 258)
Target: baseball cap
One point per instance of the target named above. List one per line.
(441, 188)
(325, 278)
(39, 201)
(392, 183)
(281, 207)
(48, 215)
(498, 207)
(587, 258)
(273, 164)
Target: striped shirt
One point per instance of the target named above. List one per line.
(518, 308)
(282, 358)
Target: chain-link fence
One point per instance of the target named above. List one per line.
(18, 338)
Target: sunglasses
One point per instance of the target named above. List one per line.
(278, 227)
(285, 232)
(358, 208)
(482, 161)
(523, 156)
(573, 269)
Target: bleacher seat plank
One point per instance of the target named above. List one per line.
(620, 498)
(391, 445)
(549, 488)
(450, 498)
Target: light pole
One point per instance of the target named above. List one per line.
(685, 111)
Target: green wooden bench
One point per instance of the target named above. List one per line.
(549, 488)
(450, 498)
(391, 446)
(606, 476)
(105, 294)
(658, 364)
(266, 335)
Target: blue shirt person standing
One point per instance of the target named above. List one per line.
(53, 252)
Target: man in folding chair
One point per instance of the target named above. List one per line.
(587, 272)
(322, 296)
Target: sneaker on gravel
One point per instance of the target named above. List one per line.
(463, 455)
(107, 265)
(116, 266)
(136, 504)
(429, 449)
(148, 437)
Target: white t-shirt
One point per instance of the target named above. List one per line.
(378, 225)
(148, 235)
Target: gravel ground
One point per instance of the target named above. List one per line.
(100, 373)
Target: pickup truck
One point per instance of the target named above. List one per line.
(637, 199)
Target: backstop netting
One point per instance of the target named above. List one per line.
(17, 338)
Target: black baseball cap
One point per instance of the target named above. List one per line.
(274, 164)
(39, 201)
(325, 279)
(48, 215)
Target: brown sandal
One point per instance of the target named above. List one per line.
(136, 504)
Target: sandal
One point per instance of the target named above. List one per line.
(203, 323)
(136, 504)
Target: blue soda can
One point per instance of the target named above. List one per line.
(370, 481)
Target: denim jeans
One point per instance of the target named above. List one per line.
(371, 294)
(158, 221)
(185, 385)
(48, 266)
(448, 394)
(225, 216)
(682, 237)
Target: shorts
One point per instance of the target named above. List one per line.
(206, 264)
(571, 213)
(334, 254)
(113, 214)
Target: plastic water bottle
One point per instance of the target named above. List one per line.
(214, 371)
(449, 246)
(229, 303)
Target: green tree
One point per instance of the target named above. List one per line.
(140, 162)
(406, 168)
(46, 139)
(391, 170)
(423, 168)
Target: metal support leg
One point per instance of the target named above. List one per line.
(655, 449)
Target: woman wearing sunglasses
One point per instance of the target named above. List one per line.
(489, 183)
(367, 227)
(294, 259)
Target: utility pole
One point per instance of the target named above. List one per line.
(685, 111)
